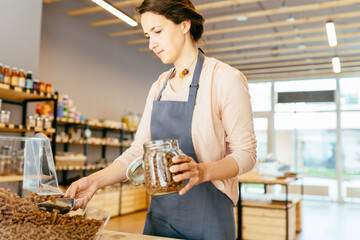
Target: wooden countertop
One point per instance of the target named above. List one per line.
(112, 235)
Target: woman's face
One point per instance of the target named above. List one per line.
(166, 38)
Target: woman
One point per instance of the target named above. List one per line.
(203, 103)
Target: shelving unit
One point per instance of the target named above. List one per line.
(21, 97)
(271, 217)
(128, 198)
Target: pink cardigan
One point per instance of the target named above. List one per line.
(222, 121)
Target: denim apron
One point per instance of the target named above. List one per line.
(203, 212)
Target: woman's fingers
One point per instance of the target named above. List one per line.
(71, 191)
(192, 175)
(188, 186)
(183, 158)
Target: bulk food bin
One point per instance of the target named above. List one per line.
(39, 176)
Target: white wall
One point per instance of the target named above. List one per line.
(103, 75)
(20, 33)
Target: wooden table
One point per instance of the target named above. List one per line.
(253, 177)
(112, 235)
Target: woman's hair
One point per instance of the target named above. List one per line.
(177, 11)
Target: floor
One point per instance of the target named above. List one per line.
(321, 221)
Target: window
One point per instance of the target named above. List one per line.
(260, 96)
(350, 125)
(306, 131)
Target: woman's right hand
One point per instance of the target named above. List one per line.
(82, 190)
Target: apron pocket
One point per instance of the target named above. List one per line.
(162, 228)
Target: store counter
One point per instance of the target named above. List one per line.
(112, 235)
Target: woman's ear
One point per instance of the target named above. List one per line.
(186, 25)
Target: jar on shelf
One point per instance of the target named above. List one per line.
(39, 122)
(21, 79)
(48, 88)
(6, 160)
(47, 123)
(30, 121)
(1, 73)
(14, 77)
(29, 81)
(36, 85)
(155, 163)
(7, 75)
(18, 167)
(42, 87)
(4, 116)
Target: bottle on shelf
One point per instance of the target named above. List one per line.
(42, 87)
(65, 113)
(1, 73)
(7, 74)
(29, 81)
(21, 79)
(48, 88)
(14, 77)
(60, 107)
(36, 84)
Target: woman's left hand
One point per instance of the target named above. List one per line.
(189, 169)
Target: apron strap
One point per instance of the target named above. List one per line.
(195, 81)
(162, 89)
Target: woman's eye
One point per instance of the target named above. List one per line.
(157, 32)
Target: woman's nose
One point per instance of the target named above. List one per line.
(152, 44)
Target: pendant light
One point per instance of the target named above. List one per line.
(331, 33)
(336, 64)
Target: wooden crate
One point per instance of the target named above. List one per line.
(133, 198)
(268, 221)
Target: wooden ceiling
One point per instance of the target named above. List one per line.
(281, 39)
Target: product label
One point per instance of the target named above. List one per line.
(7, 79)
(29, 84)
(21, 82)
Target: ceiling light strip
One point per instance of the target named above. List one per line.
(116, 12)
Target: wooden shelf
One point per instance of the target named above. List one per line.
(74, 168)
(70, 121)
(20, 129)
(253, 177)
(95, 144)
(18, 93)
(93, 126)
(11, 178)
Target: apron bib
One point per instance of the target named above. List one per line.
(204, 212)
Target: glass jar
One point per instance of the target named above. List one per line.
(7, 75)
(155, 164)
(4, 116)
(6, 161)
(29, 81)
(39, 122)
(36, 85)
(30, 121)
(19, 164)
(42, 86)
(47, 123)
(14, 77)
(48, 88)
(21, 79)
(1, 73)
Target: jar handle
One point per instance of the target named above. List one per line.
(132, 172)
